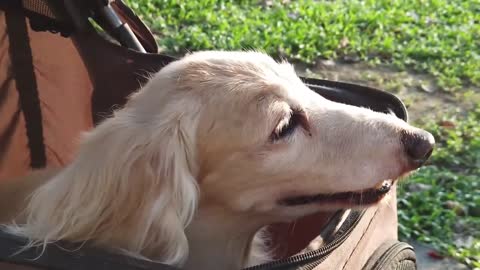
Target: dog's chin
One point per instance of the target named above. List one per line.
(347, 199)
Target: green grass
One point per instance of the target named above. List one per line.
(439, 37)
(453, 176)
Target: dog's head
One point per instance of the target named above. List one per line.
(263, 141)
(234, 130)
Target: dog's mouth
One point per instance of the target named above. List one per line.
(349, 198)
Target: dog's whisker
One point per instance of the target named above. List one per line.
(292, 230)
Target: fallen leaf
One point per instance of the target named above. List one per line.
(447, 124)
(344, 42)
(435, 255)
(426, 88)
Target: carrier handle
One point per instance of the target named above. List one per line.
(120, 29)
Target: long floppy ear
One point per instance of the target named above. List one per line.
(131, 187)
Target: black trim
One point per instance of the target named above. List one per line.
(358, 95)
(310, 260)
(38, 21)
(26, 84)
(55, 257)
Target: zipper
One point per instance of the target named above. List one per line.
(312, 259)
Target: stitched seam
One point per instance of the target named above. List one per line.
(363, 235)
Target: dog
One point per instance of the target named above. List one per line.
(214, 147)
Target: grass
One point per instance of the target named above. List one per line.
(439, 37)
(447, 207)
(441, 201)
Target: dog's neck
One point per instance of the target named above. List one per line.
(218, 240)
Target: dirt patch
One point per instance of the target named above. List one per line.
(421, 95)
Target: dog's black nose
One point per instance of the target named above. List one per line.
(418, 146)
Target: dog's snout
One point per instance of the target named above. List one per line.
(418, 146)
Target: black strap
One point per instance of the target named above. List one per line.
(26, 84)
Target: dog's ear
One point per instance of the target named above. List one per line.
(131, 186)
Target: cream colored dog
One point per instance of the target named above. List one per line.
(213, 148)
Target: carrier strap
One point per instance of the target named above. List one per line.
(26, 84)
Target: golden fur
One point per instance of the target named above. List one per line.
(188, 172)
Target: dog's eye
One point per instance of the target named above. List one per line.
(283, 130)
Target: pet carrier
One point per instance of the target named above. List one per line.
(59, 77)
